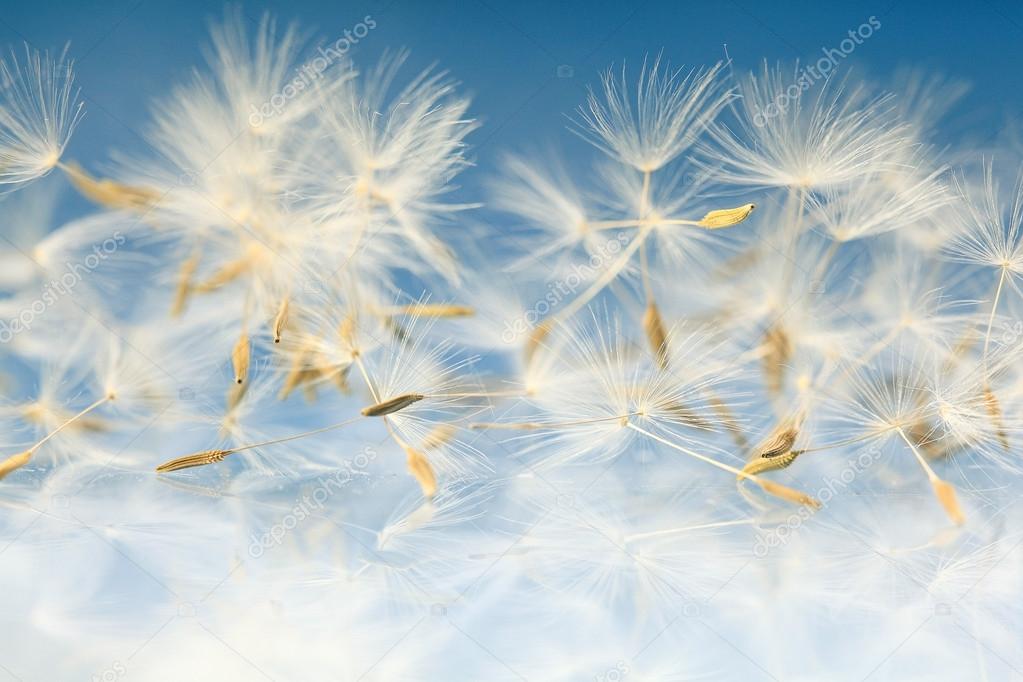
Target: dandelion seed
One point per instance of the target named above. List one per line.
(240, 357)
(15, 462)
(392, 405)
(225, 275)
(994, 410)
(656, 334)
(779, 443)
(281, 319)
(778, 353)
(197, 459)
(726, 217)
(184, 287)
(946, 495)
(764, 464)
(419, 467)
(442, 310)
(673, 108)
(536, 338)
(439, 437)
(787, 493)
(39, 110)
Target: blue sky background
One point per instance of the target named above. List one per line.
(507, 54)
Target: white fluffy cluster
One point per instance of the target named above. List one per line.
(740, 398)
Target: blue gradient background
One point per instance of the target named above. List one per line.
(507, 54)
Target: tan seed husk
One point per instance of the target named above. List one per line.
(539, 333)
(435, 310)
(419, 467)
(439, 436)
(726, 217)
(240, 357)
(391, 405)
(725, 413)
(185, 287)
(281, 319)
(946, 495)
(764, 464)
(15, 462)
(688, 416)
(778, 443)
(656, 335)
(197, 459)
(235, 395)
(108, 192)
(346, 330)
(778, 353)
(786, 493)
(228, 273)
(994, 410)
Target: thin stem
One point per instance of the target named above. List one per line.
(644, 199)
(991, 317)
(931, 476)
(617, 224)
(684, 529)
(69, 421)
(549, 425)
(602, 281)
(365, 376)
(481, 394)
(843, 443)
(297, 436)
(703, 458)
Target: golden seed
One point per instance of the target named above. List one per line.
(184, 288)
(15, 462)
(994, 410)
(280, 320)
(108, 192)
(225, 275)
(539, 333)
(419, 467)
(392, 405)
(787, 493)
(946, 495)
(434, 310)
(240, 357)
(197, 459)
(727, 217)
(778, 353)
(439, 436)
(653, 325)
